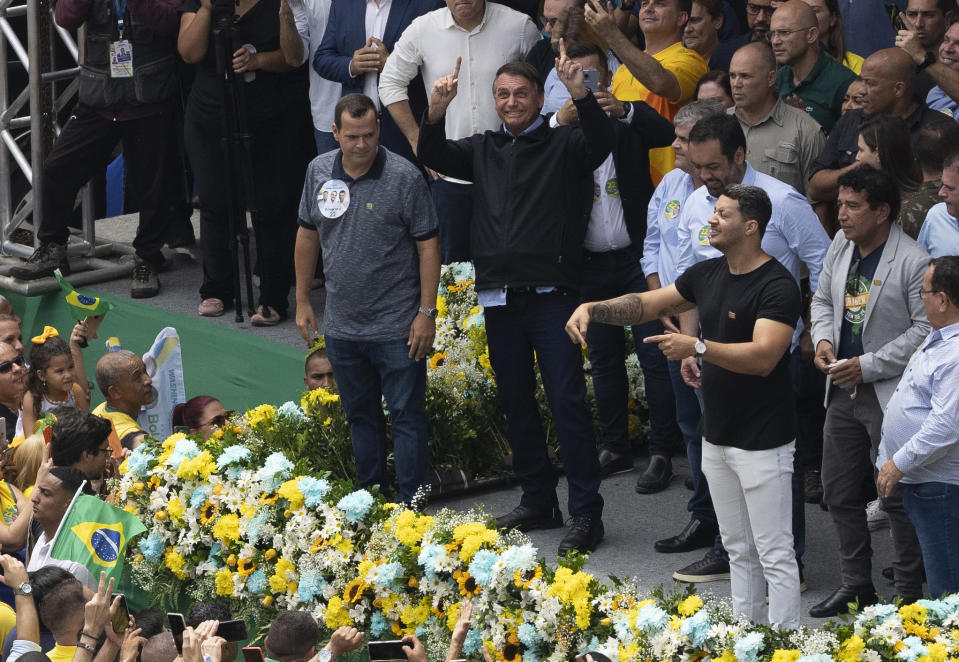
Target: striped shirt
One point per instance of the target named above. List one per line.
(920, 429)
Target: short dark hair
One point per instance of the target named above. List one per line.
(945, 276)
(754, 204)
(878, 186)
(936, 140)
(587, 49)
(950, 150)
(71, 478)
(60, 602)
(717, 76)
(43, 580)
(520, 68)
(946, 6)
(292, 634)
(74, 432)
(684, 5)
(208, 611)
(150, 622)
(713, 7)
(357, 105)
(724, 128)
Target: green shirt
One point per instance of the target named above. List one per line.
(821, 92)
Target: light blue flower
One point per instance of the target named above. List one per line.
(528, 635)
(476, 319)
(185, 449)
(275, 470)
(530, 656)
(254, 530)
(355, 505)
(481, 567)
(518, 558)
(313, 490)
(292, 411)
(818, 657)
(940, 610)
(139, 461)
(310, 586)
(257, 582)
(378, 624)
(914, 649)
(748, 647)
(386, 575)
(474, 641)
(652, 619)
(624, 632)
(696, 627)
(462, 271)
(428, 557)
(882, 612)
(232, 455)
(200, 496)
(152, 547)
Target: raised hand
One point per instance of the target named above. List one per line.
(444, 91)
(600, 16)
(570, 73)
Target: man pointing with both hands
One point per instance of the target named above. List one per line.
(533, 193)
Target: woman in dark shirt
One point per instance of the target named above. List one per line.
(257, 62)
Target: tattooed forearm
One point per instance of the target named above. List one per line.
(624, 310)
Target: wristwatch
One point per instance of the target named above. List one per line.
(325, 655)
(431, 313)
(699, 348)
(24, 589)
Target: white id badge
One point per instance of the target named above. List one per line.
(121, 59)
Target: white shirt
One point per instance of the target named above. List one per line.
(661, 247)
(376, 17)
(607, 223)
(432, 43)
(40, 558)
(311, 17)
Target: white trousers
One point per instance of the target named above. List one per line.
(752, 495)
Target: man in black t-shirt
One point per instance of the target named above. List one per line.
(748, 307)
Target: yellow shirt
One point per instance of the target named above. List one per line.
(62, 653)
(8, 620)
(688, 67)
(8, 502)
(122, 425)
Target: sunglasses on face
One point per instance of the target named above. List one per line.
(7, 366)
(221, 419)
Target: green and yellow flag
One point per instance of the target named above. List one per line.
(81, 305)
(95, 534)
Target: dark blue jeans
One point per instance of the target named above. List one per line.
(367, 372)
(688, 415)
(934, 511)
(531, 323)
(608, 275)
(454, 208)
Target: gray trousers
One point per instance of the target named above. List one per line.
(850, 441)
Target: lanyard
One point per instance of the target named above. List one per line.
(121, 7)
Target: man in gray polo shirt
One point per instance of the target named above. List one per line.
(372, 213)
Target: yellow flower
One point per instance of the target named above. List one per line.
(471, 537)
(441, 309)
(316, 399)
(170, 442)
(290, 491)
(786, 655)
(227, 529)
(245, 567)
(524, 580)
(436, 360)
(453, 615)
(690, 605)
(160, 516)
(175, 509)
(124, 469)
(628, 651)
(174, 562)
(851, 649)
(231, 560)
(467, 583)
(914, 612)
(415, 616)
(937, 652)
(279, 582)
(208, 514)
(261, 416)
(916, 629)
(337, 615)
(269, 554)
(267, 600)
(727, 656)
(354, 590)
(573, 588)
(410, 527)
(483, 360)
(199, 467)
(224, 582)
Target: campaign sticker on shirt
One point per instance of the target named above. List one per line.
(704, 235)
(672, 209)
(612, 187)
(333, 198)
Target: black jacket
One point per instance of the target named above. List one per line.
(532, 195)
(647, 130)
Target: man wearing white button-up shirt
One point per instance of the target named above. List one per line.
(486, 36)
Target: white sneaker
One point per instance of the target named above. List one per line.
(876, 516)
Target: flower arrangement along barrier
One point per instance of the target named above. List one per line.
(225, 522)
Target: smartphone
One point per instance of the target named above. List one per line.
(387, 650)
(895, 17)
(591, 79)
(121, 618)
(177, 626)
(232, 630)
(837, 363)
(253, 654)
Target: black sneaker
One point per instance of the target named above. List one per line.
(812, 486)
(585, 533)
(524, 518)
(45, 259)
(145, 283)
(710, 568)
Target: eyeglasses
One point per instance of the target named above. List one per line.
(7, 366)
(782, 34)
(105, 451)
(754, 10)
(548, 21)
(220, 419)
(852, 280)
(924, 293)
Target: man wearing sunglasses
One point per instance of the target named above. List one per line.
(13, 380)
(867, 320)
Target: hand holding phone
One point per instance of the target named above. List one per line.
(387, 650)
(177, 625)
(591, 80)
(121, 617)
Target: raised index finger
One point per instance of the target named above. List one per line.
(562, 48)
(456, 70)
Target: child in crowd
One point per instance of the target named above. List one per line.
(319, 370)
(53, 379)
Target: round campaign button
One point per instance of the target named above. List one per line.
(333, 198)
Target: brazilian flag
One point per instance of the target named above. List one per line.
(95, 534)
(81, 305)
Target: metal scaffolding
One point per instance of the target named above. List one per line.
(28, 127)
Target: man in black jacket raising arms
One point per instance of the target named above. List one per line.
(532, 202)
